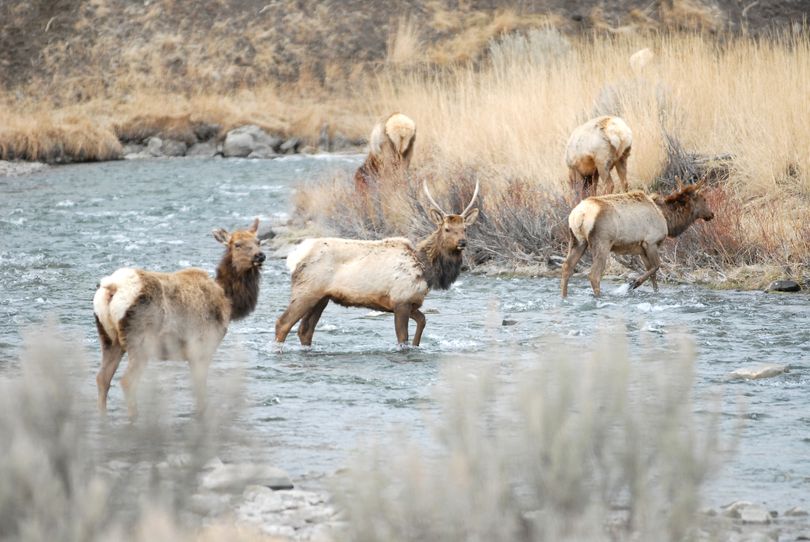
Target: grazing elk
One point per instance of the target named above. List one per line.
(390, 275)
(390, 149)
(595, 148)
(181, 315)
(630, 223)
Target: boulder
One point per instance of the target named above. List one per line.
(206, 149)
(756, 373)
(173, 147)
(755, 514)
(263, 152)
(508, 322)
(245, 140)
(235, 477)
(796, 511)
(290, 146)
(156, 146)
(783, 286)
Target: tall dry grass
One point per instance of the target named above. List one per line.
(568, 447)
(728, 106)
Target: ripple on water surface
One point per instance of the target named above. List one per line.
(66, 227)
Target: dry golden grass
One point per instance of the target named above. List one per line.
(507, 126)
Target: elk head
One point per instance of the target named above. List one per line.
(243, 247)
(451, 232)
(691, 196)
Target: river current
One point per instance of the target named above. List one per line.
(64, 228)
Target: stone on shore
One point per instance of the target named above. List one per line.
(756, 373)
(783, 286)
(747, 512)
(251, 139)
(235, 477)
(206, 149)
(165, 147)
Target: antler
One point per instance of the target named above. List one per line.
(433, 201)
(472, 201)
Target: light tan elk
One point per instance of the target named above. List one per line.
(391, 275)
(390, 149)
(595, 148)
(182, 315)
(630, 223)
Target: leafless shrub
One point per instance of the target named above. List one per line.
(56, 479)
(571, 447)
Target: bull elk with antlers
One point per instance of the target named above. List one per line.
(630, 223)
(390, 275)
(182, 315)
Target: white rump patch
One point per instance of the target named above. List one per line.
(299, 253)
(619, 135)
(115, 295)
(400, 129)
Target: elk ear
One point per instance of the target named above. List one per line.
(471, 216)
(221, 235)
(255, 226)
(436, 216)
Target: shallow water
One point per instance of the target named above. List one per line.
(64, 228)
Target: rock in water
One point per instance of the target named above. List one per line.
(756, 373)
(755, 514)
(783, 286)
(238, 476)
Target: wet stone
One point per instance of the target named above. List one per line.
(783, 286)
(757, 373)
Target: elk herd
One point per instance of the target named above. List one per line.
(184, 315)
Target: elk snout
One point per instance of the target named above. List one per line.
(708, 216)
(259, 258)
(462, 244)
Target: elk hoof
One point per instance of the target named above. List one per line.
(634, 284)
(277, 348)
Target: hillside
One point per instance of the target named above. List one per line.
(72, 50)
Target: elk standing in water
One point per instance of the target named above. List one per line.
(390, 149)
(391, 275)
(181, 315)
(630, 223)
(595, 148)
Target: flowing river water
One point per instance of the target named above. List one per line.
(64, 228)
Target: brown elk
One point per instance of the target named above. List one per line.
(595, 148)
(630, 223)
(390, 149)
(182, 315)
(390, 275)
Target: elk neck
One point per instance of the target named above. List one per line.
(441, 268)
(678, 213)
(241, 288)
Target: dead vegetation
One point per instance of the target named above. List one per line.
(572, 446)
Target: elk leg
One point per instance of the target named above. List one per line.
(648, 266)
(604, 172)
(401, 315)
(651, 255)
(575, 252)
(306, 329)
(600, 253)
(298, 308)
(621, 169)
(419, 318)
(129, 382)
(111, 355)
(199, 376)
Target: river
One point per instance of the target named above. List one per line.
(64, 228)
